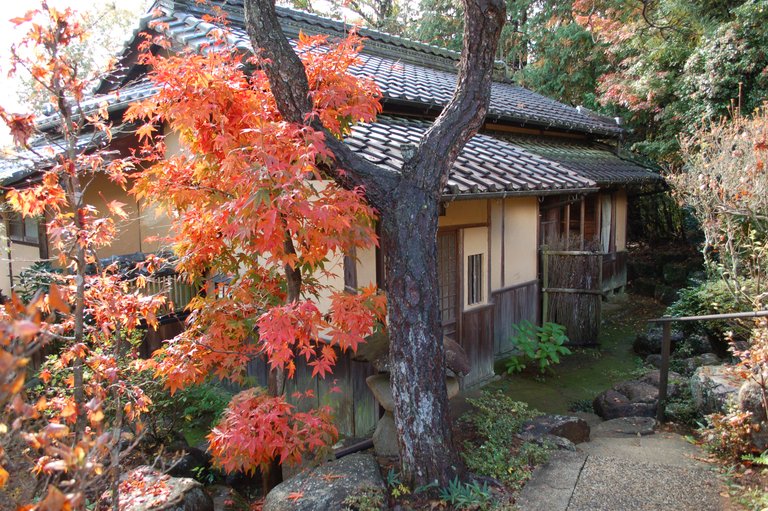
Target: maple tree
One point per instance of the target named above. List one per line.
(253, 209)
(94, 310)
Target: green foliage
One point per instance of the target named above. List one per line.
(539, 345)
(467, 496)
(498, 452)
(189, 410)
(682, 409)
(581, 405)
(711, 297)
(368, 499)
(396, 487)
(754, 499)
(760, 459)
(38, 277)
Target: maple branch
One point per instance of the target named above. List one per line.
(463, 116)
(290, 88)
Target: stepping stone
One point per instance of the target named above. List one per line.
(625, 426)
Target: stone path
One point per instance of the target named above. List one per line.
(625, 467)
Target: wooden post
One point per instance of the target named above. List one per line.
(544, 283)
(666, 341)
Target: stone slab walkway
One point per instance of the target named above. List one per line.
(622, 470)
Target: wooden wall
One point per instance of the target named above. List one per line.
(354, 408)
(614, 271)
(477, 341)
(513, 305)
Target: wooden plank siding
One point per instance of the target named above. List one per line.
(614, 271)
(477, 341)
(513, 305)
(354, 408)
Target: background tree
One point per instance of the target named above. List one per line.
(80, 450)
(407, 202)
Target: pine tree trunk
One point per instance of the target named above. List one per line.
(416, 349)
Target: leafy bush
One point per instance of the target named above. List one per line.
(498, 452)
(729, 436)
(189, 410)
(466, 495)
(711, 297)
(540, 345)
(38, 277)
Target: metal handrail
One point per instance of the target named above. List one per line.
(666, 343)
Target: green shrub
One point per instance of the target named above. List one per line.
(37, 277)
(711, 297)
(539, 345)
(498, 452)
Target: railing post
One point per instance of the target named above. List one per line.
(544, 283)
(666, 343)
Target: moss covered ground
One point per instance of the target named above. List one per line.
(588, 371)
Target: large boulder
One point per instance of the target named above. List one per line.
(649, 342)
(638, 391)
(750, 399)
(612, 405)
(329, 486)
(715, 388)
(706, 359)
(168, 493)
(573, 428)
(675, 381)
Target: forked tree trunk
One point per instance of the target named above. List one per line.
(408, 202)
(416, 352)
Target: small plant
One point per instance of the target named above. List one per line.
(499, 452)
(396, 487)
(581, 405)
(539, 345)
(368, 499)
(761, 459)
(466, 495)
(729, 436)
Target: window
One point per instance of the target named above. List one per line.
(475, 279)
(25, 230)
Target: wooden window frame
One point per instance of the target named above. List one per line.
(475, 279)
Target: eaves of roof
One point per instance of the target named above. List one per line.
(486, 167)
(409, 73)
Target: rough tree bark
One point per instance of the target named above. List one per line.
(408, 204)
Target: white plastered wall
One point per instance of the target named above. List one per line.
(521, 218)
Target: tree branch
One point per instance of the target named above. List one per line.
(463, 116)
(290, 87)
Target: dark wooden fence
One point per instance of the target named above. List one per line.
(511, 306)
(572, 292)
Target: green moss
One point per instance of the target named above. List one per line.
(587, 372)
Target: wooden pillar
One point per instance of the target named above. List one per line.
(666, 342)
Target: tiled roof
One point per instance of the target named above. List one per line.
(116, 101)
(486, 165)
(593, 161)
(16, 166)
(407, 72)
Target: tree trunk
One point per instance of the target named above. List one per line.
(416, 350)
(408, 203)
